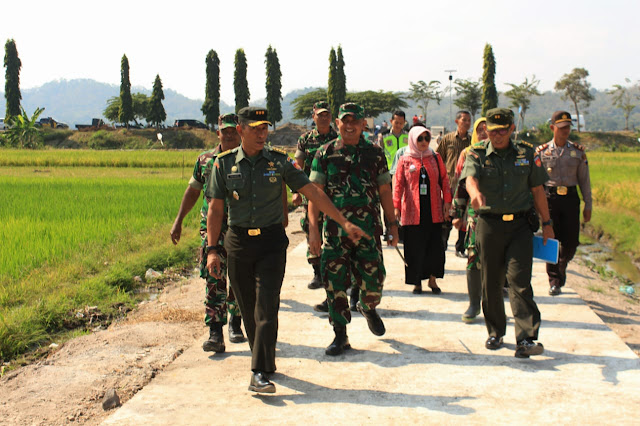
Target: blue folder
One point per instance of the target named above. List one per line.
(549, 252)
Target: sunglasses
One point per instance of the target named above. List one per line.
(424, 138)
(499, 131)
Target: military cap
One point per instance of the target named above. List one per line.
(561, 119)
(499, 118)
(253, 116)
(227, 120)
(351, 108)
(320, 106)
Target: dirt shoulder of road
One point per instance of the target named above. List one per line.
(69, 384)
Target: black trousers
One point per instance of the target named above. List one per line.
(423, 252)
(446, 231)
(506, 248)
(255, 267)
(565, 213)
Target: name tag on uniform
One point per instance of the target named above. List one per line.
(522, 162)
(232, 176)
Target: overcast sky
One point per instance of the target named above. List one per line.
(386, 45)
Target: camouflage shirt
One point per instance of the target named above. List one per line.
(200, 180)
(309, 143)
(351, 175)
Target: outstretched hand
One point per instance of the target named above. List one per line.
(355, 233)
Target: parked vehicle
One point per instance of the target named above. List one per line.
(51, 123)
(190, 123)
(95, 123)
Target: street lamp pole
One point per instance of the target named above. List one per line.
(450, 94)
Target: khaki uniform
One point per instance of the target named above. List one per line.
(503, 238)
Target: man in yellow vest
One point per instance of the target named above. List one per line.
(396, 138)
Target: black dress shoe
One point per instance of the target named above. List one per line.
(259, 383)
(493, 343)
(322, 307)
(526, 348)
(555, 290)
(373, 320)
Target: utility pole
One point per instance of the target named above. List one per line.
(450, 95)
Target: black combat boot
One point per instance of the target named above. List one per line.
(235, 330)
(340, 343)
(353, 299)
(373, 320)
(474, 286)
(322, 307)
(215, 343)
(316, 282)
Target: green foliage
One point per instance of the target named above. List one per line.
(240, 84)
(155, 112)
(469, 96)
(575, 87)
(521, 94)
(140, 106)
(489, 92)
(303, 104)
(422, 93)
(125, 112)
(621, 98)
(375, 103)
(211, 106)
(273, 86)
(341, 80)
(332, 88)
(12, 79)
(22, 132)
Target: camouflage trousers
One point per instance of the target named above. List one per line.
(217, 300)
(473, 262)
(344, 262)
(304, 224)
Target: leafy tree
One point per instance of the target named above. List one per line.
(303, 104)
(622, 99)
(575, 87)
(125, 112)
(12, 83)
(240, 84)
(341, 80)
(140, 106)
(489, 92)
(23, 132)
(469, 95)
(375, 103)
(273, 86)
(423, 93)
(155, 111)
(521, 94)
(211, 106)
(332, 88)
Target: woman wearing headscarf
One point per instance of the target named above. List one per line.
(461, 212)
(422, 199)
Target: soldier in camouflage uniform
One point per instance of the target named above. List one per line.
(216, 301)
(308, 144)
(355, 176)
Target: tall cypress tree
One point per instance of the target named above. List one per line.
(273, 86)
(489, 92)
(156, 113)
(240, 84)
(332, 89)
(341, 79)
(125, 113)
(12, 83)
(211, 106)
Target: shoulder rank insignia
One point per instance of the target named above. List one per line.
(542, 147)
(278, 150)
(525, 143)
(577, 146)
(222, 154)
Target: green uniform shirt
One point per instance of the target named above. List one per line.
(253, 186)
(351, 175)
(505, 178)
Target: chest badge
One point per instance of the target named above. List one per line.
(235, 195)
(273, 179)
(573, 154)
(234, 169)
(271, 164)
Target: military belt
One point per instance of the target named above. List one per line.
(562, 190)
(254, 232)
(505, 217)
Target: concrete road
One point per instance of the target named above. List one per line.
(429, 367)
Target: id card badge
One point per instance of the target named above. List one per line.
(423, 189)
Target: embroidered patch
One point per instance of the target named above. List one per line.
(522, 162)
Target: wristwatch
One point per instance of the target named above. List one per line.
(216, 248)
(548, 223)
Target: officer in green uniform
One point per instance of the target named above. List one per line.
(501, 176)
(216, 300)
(251, 179)
(308, 144)
(567, 166)
(354, 174)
